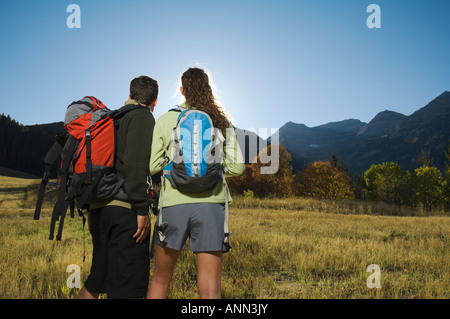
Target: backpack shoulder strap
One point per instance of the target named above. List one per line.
(177, 108)
(116, 114)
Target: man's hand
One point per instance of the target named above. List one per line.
(143, 228)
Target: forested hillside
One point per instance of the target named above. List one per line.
(23, 148)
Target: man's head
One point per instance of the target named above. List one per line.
(144, 90)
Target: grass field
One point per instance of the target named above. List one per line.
(294, 248)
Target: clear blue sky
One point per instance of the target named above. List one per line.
(272, 61)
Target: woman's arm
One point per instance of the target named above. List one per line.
(234, 161)
(158, 149)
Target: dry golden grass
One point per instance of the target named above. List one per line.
(295, 248)
(32, 266)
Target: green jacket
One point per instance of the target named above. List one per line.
(161, 136)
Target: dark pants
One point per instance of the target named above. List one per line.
(120, 266)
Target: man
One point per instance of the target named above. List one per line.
(121, 229)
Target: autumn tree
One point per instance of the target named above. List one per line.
(270, 174)
(387, 182)
(324, 181)
(241, 183)
(428, 187)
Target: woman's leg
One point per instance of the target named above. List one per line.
(165, 260)
(209, 274)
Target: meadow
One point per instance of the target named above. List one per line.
(281, 248)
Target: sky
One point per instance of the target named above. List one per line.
(271, 61)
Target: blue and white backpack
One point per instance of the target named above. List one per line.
(198, 151)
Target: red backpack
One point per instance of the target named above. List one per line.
(87, 151)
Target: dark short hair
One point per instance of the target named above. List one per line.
(144, 89)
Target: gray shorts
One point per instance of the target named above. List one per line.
(201, 222)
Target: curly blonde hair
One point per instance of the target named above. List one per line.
(199, 95)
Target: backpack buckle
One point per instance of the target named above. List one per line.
(46, 177)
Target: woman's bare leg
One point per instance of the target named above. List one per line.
(165, 260)
(209, 274)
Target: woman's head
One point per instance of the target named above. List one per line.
(198, 93)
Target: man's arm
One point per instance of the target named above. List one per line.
(136, 158)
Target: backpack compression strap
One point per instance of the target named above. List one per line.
(51, 156)
(226, 230)
(62, 203)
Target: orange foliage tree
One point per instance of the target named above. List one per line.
(268, 175)
(324, 181)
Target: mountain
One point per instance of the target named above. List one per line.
(389, 136)
(381, 124)
(307, 145)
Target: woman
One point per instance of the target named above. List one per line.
(201, 216)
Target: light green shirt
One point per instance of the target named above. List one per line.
(233, 161)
